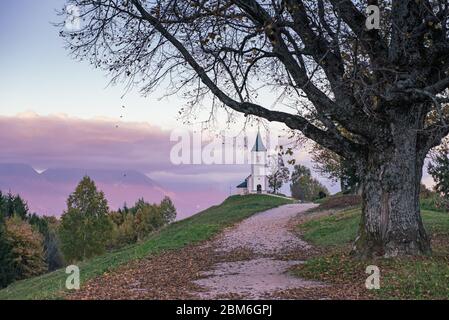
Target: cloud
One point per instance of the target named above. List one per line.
(61, 141)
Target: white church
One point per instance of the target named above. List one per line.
(257, 181)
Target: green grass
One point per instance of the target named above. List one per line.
(404, 278)
(341, 228)
(199, 227)
(332, 230)
(431, 204)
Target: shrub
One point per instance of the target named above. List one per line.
(27, 248)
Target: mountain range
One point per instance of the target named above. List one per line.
(46, 192)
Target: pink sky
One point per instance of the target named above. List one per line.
(65, 142)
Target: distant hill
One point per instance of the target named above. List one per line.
(14, 170)
(47, 192)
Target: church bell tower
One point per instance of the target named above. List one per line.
(258, 180)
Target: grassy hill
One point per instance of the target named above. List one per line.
(405, 278)
(199, 227)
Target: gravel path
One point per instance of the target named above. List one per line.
(248, 261)
(267, 236)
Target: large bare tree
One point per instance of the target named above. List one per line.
(386, 87)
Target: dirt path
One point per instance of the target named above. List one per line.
(267, 237)
(248, 261)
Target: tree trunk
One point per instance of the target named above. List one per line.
(391, 223)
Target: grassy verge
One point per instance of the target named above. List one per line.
(404, 278)
(431, 203)
(199, 227)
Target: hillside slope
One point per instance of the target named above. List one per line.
(199, 227)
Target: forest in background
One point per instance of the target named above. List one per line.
(31, 245)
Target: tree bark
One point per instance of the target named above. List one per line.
(391, 223)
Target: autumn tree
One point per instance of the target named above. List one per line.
(168, 210)
(124, 231)
(27, 248)
(139, 221)
(148, 219)
(85, 228)
(279, 175)
(304, 187)
(387, 87)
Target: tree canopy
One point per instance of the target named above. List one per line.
(318, 53)
(336, 168)
(304, 187)
(85, 227)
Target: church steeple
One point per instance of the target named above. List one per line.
(257, 181)
(258, 146)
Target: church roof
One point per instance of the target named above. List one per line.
(258, 146)
(244, 184)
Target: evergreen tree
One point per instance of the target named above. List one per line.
(20, 207)
(47, 226)
(7, 271)
(11, 205)
(2, 204)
